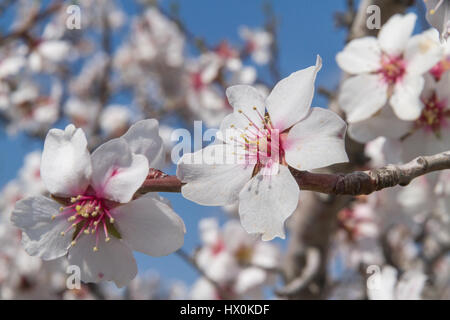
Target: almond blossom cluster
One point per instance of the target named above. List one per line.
(102, 101)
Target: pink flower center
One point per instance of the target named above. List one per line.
(225, 51)
(433, 116)
(196, 81)
(262, 143)
(392, 69)
(89, 214)
(440, 68)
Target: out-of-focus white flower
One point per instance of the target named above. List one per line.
(91, 216)
(251, 164)
(257, 44)
(82, 113)
(383, 151)
(444, 65)
(32, 111)
(114, 120)
(388, 69)
(386, 285)
(236, 261)
(46, 53)
(204, 98)
(431, 131)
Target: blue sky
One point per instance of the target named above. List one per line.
(306, 29)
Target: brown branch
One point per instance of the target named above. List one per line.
(355, 183)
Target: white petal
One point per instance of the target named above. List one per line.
(266, 201)
(423, 52)
(383, 284)
(382, 124)
(113, 261)
(211, 181)
(317, 141)
(405, 100)
(360, 56)
(150, 226)
(235, 237)
(209, 231)
(54, 50)
(362, 96)
(223, 268)
(291, 98)
(143, 138)
(66, 163)
(250, 279)
(116, 172)
(41, 234)
(248, 104)
(395, 33)
(410, 285)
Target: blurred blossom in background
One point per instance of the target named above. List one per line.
(172, 61)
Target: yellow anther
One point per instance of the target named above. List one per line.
(73, 199)
(72, 218)
(61, 209)
(78, 208)
(62, 233)
(97, 208)
(53, 217)
(86, 231)
(73, 243)
(432, 11)
(254, 108)
(94, 214)
(74, 225)
(95, 249)
(112, 220)
(107, 239)
(93, 231)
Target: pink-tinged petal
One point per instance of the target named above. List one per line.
(41, 234)
(360, 56)
(405, 100)
(362, 96)
(266, 202)
(143, 138)
(116, 172)
(291, 98)
(66, 163)
(150, 226)
(210, 178)
(113, 261)
(395, 33)
(423, 52)
(317, 141)
(384, 123)
(248, 105)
